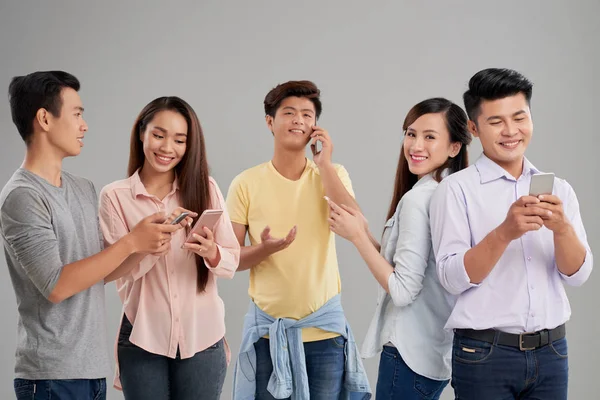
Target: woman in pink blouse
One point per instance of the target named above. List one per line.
(171, 341)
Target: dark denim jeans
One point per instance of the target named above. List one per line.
(482, 370)
(145, 375)
(325, 360)
(62, 389)
(396, 381)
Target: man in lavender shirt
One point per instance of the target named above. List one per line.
(506, 255)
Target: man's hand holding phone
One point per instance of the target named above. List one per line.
(322, 157)
(524, 215)
(152, 235)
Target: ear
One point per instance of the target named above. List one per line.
(473, 128)
(455, 149)
(42, 117)
(269, 121)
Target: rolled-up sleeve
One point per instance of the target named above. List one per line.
(27, 228)
(225, 239)
(113, 226)
(412, 250)
(571, 209)
(451, 236)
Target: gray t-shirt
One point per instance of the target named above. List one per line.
(44, 228)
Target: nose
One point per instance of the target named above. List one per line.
(84, 126)
(165, 146)
(298, 120)
(511, 129)
(418, 143)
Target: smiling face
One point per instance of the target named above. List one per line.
(293, 123)
(504, 127)
(66, 131)
(427, 144)
(164, 141)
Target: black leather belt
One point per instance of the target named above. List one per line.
(523, 341)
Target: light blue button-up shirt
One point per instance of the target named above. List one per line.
(289, 376)
(412, 316)
(524, 292)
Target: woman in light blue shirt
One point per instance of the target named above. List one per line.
(412, 306)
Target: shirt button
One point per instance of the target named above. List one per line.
(177, 319)
(528, 258)
(175, 296)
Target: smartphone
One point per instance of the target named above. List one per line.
(180, 218)
(207, 219)
(541, 184)
(317, 147)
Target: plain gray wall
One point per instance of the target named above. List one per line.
(372, 63)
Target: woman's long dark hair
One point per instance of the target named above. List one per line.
(192, 170)
(456, 122)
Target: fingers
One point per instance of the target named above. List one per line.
(209, 234)
(524, 200)
(537, 211)
(291, 235)
(168, 228)
(266, 232)
(549, 198)
(195, 247)
(350, 210)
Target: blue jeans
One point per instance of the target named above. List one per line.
(397, 381)
(145, 375)
(482, 370)
(62, 389)
(325, 360)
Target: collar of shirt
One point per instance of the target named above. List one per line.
(490, 171)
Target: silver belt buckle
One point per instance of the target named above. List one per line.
(521, 335)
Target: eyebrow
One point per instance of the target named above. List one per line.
(79, 108)
(305, 109)
(514, 115)
(425, 131)
(165, 131)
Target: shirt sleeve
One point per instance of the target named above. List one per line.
(26, 223)
(225, 239)
(114, 227)
(412, 251)
(450, 236)
(571, 209)
(237, 201)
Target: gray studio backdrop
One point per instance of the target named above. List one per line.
(372, 61)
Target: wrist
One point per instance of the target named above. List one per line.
(361, 238)
(129, 244)
(325, 165)
(264, 250)
(564, 231)
(501, 236)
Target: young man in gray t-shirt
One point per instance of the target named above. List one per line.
(53, 248)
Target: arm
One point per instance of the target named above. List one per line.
(572, 252)
(411, 255)
(113, 227)
(249, 255)
(27, 228)
(335, 189)
(451, 237)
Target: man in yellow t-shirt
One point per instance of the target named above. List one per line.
(291, 257)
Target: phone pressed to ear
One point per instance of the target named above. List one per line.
(180, 218)
(207, 219)
(317, 147)
(541, 184)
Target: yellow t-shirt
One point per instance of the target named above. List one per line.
(298, 280)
